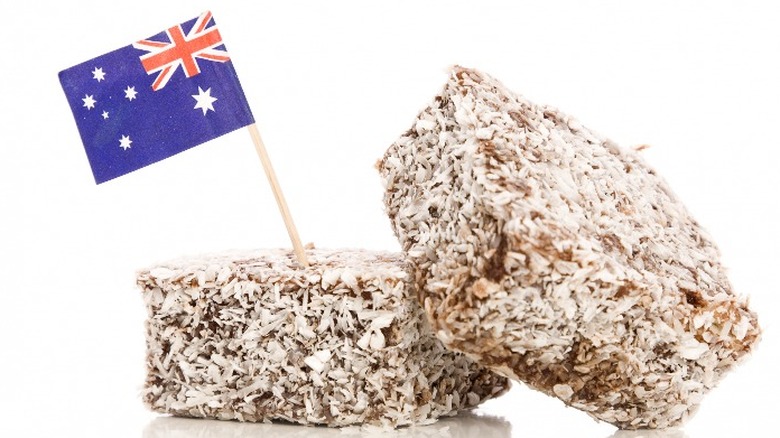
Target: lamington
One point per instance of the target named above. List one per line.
(554, 257)
(254, 336)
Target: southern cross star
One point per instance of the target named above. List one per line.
(125, 142)
(105, 115)
(130, 93)
(204, 100)
(89, 101)
(99, 74)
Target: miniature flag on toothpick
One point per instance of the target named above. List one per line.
(160, 96)
(155, 98)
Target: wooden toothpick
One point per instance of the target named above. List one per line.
(269, 172)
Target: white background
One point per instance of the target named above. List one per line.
(332, 84)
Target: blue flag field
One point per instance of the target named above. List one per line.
(154, 98)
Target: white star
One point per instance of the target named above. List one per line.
(205, 100)
(130, 93)
(124, 142)
(89, 101)
(105, 115)
(98, 74)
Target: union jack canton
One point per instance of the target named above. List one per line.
(157, 97)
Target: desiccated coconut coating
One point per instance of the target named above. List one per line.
(556, 258)
(252, 336)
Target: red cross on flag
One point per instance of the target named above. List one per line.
(202, 41)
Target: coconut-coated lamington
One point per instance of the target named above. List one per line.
(554, 257)
(254, 336)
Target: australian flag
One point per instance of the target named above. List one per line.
(155, 98)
